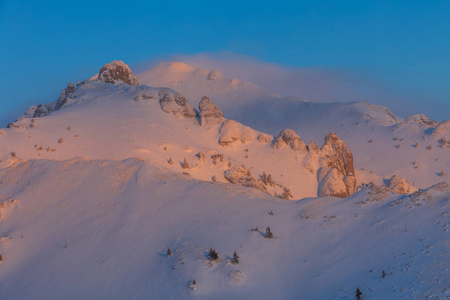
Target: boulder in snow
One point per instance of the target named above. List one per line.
(241, 176)
(232, 132)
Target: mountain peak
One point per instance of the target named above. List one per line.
(117, 72)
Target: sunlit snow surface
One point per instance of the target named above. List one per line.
(90, 203)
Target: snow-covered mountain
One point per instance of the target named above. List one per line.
(95, 186)
(380, 141)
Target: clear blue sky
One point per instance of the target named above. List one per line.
(45, 44)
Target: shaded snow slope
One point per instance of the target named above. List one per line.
(96, 229)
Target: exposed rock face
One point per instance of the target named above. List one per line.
(70, 87)
(232, 132)
(175, 103)
(336, 155)
(398, 185)
(117, 72)
(40, 111)
(234, 174)
(241, 176)
(290, 138)
(312, 147)
(421, 119)
(209, 113)
(29, 113)
(332, 184)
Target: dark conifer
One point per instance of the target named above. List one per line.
(235, 259)
(269, 234)
(358, 294)
(213, 255)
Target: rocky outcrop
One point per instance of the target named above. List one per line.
(421, 119)
(312, 147)
(336, 155)
(40, 111)
(241, 176)
(209, 113)
(231, 132)
(398, 185)
(117, 72)
(70, 87)
(288, 137)
(29, 113)
(264, 138)
(175, 103)
(332, 184)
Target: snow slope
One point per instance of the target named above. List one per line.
(97, 229)
(89, 202)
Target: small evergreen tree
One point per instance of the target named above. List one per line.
(185, 164)
(383, 274)
(271, 213)
(286, 194)
(214, 178)
(235, 259)
(213, 255)
(170, 161)
(269, 234)
(169, 252)
(358, 294)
